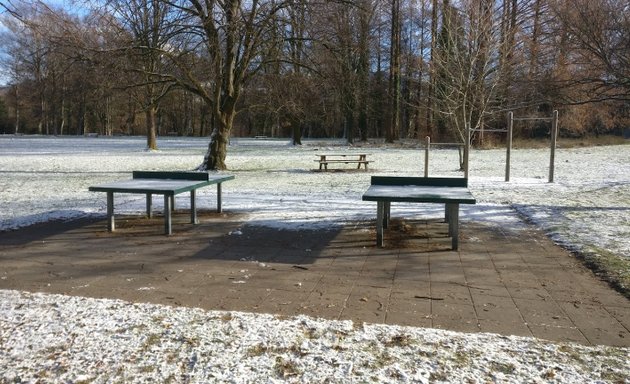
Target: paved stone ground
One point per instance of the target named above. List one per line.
(500, 281)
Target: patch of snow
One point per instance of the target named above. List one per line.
(73, 339)
(276, 187)
(70, 339)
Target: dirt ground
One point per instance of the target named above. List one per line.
(510, 283)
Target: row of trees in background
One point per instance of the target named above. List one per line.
(346, 68)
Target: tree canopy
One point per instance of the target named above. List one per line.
(290, 68)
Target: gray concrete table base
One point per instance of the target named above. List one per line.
(167, 184)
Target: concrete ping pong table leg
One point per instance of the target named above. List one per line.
(167, 214)
(193, 208)
(219, 209)
(452, 217)
(382, 220)
(149, 205)
(111, 225)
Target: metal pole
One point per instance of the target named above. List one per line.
(509, 145)
(554, 136)
(466, 151)
(426, 156)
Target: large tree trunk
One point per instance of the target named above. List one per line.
(506, 53)
(217, 152)
(534, 47)
(40, 126)
(349, 123)
(394, 75)
(365, 16)
(219, 139)
(431, 91)
(477, 104)
(151, 128)
(17, 109)
(297, 133)
(363, 123)
(62, 123)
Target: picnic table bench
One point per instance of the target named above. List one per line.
(342, 158)
(449, 191)
(167, 184)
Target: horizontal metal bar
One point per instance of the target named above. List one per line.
(488, 130)
(448, 144)
(531, 118)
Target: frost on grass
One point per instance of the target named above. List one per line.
(48, 337)
(51, 338)
(587, 206)
(586, 210)
(274, 184)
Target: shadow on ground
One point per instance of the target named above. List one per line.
(502, 280)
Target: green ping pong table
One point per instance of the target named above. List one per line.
(449, 191)
(167, 184)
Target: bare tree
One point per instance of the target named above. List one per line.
(393, 131)
(318, 68)
(146, 28)
(4, 116)
(230, 34)
(28, 50)
(430, 119)
(598, 34)
(467, 72)
(9, 8)
(341, 46)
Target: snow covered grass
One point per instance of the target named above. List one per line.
(83, 340)
(587, 210)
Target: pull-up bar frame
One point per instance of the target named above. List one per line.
(509, 131)
(554, 138)
(427, 148)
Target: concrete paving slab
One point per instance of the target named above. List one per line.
(511, 282)
(568, 334)
(408, 318)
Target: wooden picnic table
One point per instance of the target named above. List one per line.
(167, 184)
(342, 158)
(449, 191)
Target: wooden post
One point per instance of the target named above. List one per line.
(509, 145)
(426, 156)
(554, 136)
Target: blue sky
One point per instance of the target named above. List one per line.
(71, 6)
